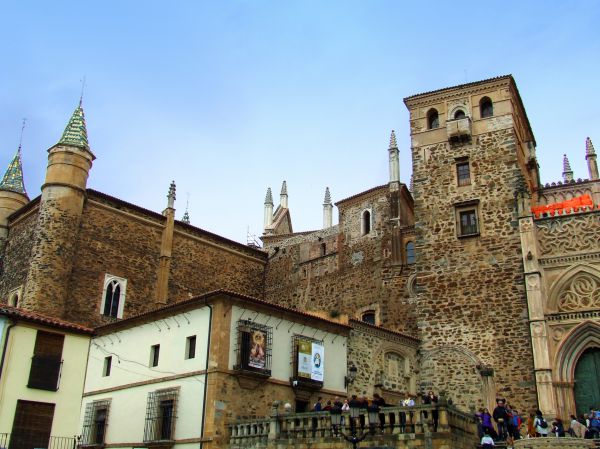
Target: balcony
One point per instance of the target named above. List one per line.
(396, 427)
(459, 130)
(31, 441)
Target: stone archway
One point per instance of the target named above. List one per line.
(584, 337)
(458, 372)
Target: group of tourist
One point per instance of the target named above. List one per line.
(378, 402)
(509, 425)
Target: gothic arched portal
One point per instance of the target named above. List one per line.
(587, 380)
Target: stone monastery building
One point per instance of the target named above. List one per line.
(492, 276)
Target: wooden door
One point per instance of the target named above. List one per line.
(587, 381)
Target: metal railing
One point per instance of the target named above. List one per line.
(32, 441)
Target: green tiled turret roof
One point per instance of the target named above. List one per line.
(75, 134)
(13, 178)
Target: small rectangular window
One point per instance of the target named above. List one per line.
(190, 347)
(154, 354)
(107, 366)
(468, 222)
(463, 174)
(46, 361)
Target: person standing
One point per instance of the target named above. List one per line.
(500, 415)
(540, 424)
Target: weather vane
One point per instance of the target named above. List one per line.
(82, 89)
(22, 128)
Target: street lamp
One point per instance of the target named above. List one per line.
(355, 407)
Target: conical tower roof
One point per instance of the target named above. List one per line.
(393, 143)
(567, 172)
(589, 147)
(269, 197)
(13, 178)
(75, 134)
(327, 199)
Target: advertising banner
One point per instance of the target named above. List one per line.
(318, 359)
(257, 357)
(304, 358)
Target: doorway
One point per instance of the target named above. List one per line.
(587, 381)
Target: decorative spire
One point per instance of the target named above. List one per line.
(171, 195)
(283, 197)
(13, 178)
(590, 157)
(411, 186)
(268, 218)
(567, 172)
(589, 147)
(269, 197)
(186, 217)
(393, 143)
(327, 199)
(327, 210)
(75, 134)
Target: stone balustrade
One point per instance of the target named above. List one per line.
(394, 427)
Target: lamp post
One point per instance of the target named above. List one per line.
(355, 407)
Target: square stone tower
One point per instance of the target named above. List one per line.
(473, 155)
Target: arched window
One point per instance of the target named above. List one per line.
(486, 107)
(433, 119)
(14, 300)
(113, 296)
(459, 114)
(410, 253)
(14, 296)
(365, 225)
(368, 317)
(323, 249)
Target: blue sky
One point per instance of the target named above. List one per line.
(230, 97)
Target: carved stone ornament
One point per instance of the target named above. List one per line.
(581, 293)
(526, 224)
(537, 329)
(567, 235)
(533, 282)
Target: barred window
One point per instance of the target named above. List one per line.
(94, 423)
(254, 343)
(161, 414)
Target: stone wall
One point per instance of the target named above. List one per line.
(124, 242)
(472, 311)
(553, 443)
(17, 253)
(386, 362)
(355, 273)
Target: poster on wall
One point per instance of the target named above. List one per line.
(304, 358)
(257, 357)
(311, 359)
(318, 357)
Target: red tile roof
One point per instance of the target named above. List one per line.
(176, 306)
(33, 317)
(461, 86)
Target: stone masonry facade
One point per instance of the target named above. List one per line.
(470, 291)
